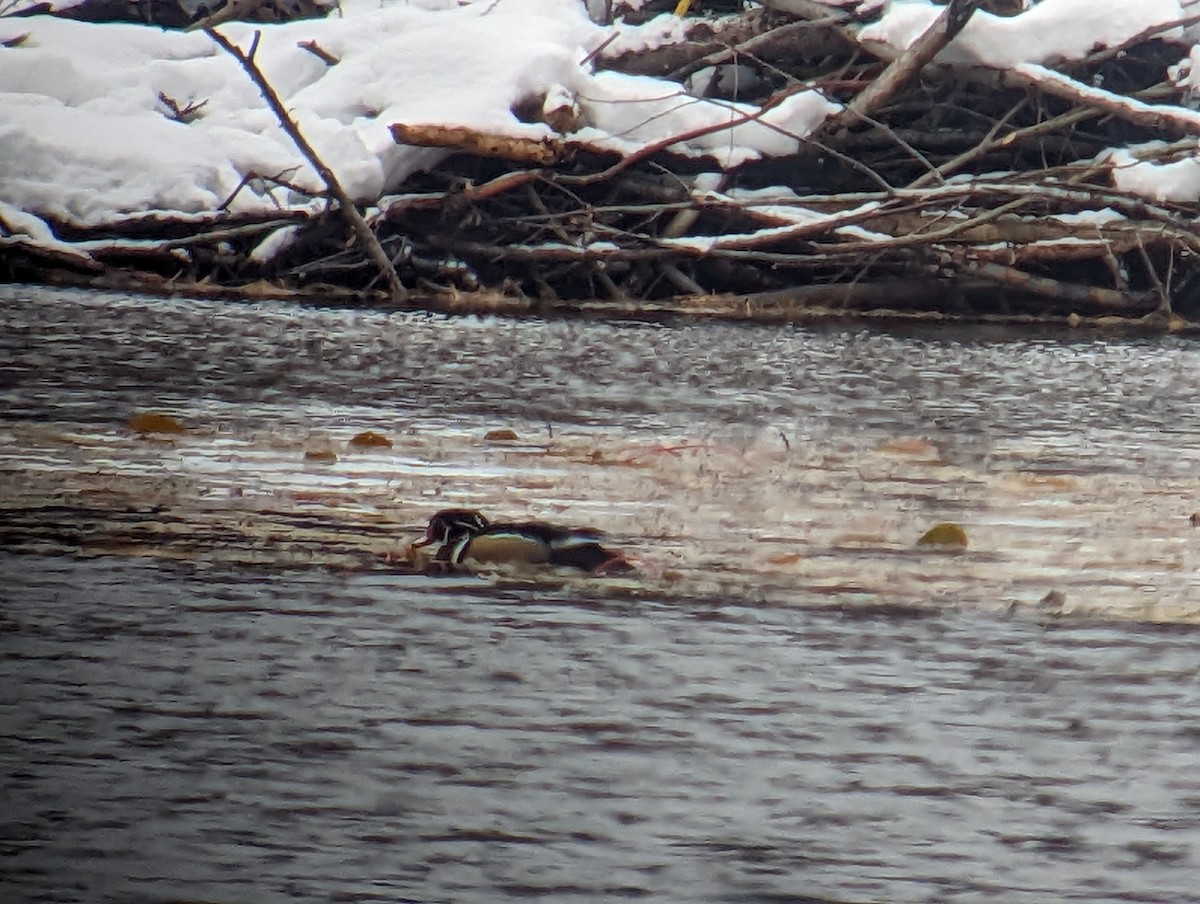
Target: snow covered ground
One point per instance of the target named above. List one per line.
(87, 135)
(87, 138)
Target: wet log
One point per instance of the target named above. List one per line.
(515, 149)
(20, 254)
(1075, 296)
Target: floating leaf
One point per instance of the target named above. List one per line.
(153, 422)
(370, 439)
(501, 436)
(321, 456)
(945, 534)
(785, 558)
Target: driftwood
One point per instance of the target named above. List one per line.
(1053, 238)
(536, 151)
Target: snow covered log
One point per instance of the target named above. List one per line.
(774, 162)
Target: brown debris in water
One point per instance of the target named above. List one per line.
(369, 439)
(502, 435)
(149, 422)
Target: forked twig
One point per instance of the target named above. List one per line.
(348, 210)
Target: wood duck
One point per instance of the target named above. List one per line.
(467, 538)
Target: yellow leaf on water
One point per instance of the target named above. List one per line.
(503, 435)
(321, 456)
(153, 422)
(370, 439)
(945, 534)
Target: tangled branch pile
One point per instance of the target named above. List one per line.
(940, 185)
(967, 189)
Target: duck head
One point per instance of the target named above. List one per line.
(451, 525)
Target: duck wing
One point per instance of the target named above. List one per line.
(574, 547)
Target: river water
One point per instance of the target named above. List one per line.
(220, 686)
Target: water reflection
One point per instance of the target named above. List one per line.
(101, 354)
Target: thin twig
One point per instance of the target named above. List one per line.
(348, 210)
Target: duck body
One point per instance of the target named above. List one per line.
(467, 539)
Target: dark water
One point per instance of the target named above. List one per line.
(201, 735)
(196, 731)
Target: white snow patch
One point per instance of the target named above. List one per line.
(666, 28)
(1089, 217)
(1178, 181)
(1050, 31)
(276, 242)
(87, 140)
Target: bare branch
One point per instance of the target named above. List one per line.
(948, 24)
(345, 204)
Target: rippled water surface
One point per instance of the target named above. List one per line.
(199, 734)
(219, 687)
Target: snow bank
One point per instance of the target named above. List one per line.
(87, 137)
(1052, 31)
